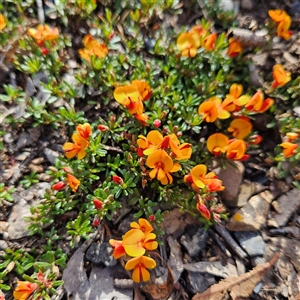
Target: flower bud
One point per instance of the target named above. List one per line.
(98, 204)
(117, 179)
(110, 198)
(10, 266)
(67, 170)
(151, 218)
(113, 119)
(103, 128)
(129, 157)
(156, 123)
(255, 139)
(291, 136)
(112, 34)
(59, 186)
(204, 211)
(96, 221)
(44, 51)
(179, 134)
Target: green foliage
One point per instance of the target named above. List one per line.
(29, 180)
(113, 176)
(5, 193)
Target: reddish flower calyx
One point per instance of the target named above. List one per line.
(96, 221)
(98, 204)
(151, 218)
(103, 128)
(156, 123)
(117, 179)
(59, 186)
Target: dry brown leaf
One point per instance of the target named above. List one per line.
(157, 291)
(237, 287)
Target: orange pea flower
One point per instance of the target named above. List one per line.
(140, 264)
(236, 150)
(162, 165)
(283, 29)
(199, 30)
(118, 248)
(143, 118)
(198, 179)
(291, 136)
(136, 242)
(258, 104)
(235, 97)
(59, 186)
(24, 289)
(217, 143)
(240, 127)
(254, 139)
(209, 42)
(148, 144)
(143, 87)
(212, 109)
(76, 148)
(289, 149)
(129, 96)
(281, 76)
(2, 22)
(284, 22)
(92, 47)
(208, 111)
(143, 225)
(234, 48)
(278, 15)
(188, 43)
(43, 33)
(74, 183)
(181, 152)
(84, 130)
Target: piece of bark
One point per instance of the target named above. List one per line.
(237, 287)
(230, 241)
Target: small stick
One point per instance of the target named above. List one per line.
(230, 241)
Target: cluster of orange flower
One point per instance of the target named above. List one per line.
(163, 154)
(281, 76)
(74, 183)
(198, 178)
(189, 42)
(78, 147)
(24, 289)
(135, 243)
(2, 22)
(80, 140)
(92, 47)
(209, 211)
(289, 148)
(283, 21)
(132, 97)
(235, 149)
(214, 108)
(43, 33)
